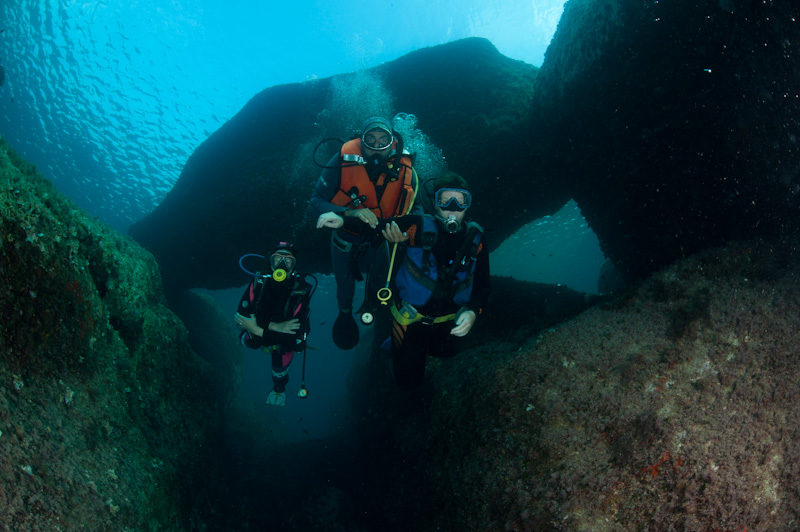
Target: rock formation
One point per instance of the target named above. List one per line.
(675, 406)
(670, 406)
(674, 125)
(246, 187)
(105, 417)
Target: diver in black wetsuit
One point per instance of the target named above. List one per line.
(273, 316)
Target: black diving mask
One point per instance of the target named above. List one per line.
(282, 264)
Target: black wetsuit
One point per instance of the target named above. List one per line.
(272, 301)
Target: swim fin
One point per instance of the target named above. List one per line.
(345, 331)
(276, 398)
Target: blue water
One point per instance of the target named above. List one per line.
(325, 413)
(557, 249)
(109, 98)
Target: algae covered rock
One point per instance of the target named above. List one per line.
(103, 414)
(673, 406)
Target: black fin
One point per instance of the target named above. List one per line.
(345, 331)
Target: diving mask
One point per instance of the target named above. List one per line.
(282, 263)
(377, 139)
(453, 202)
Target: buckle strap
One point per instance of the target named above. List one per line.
(406, 314)
(353, 158)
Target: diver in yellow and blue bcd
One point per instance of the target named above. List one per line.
(441, 284)
(371, 177)
(273, 315)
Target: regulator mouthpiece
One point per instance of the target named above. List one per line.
(451, 224)
(279, 274)
(302, 393)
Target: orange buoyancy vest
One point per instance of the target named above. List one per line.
(386, 197)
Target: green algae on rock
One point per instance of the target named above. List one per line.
(102, 405)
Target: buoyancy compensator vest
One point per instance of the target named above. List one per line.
(391, 194)
(420, 277)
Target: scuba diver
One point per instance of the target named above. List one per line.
(371, 177)
(441, 282)
(273, 315)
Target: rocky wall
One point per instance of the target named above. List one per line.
(671, 407)
(674, 125)
(105, 418)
